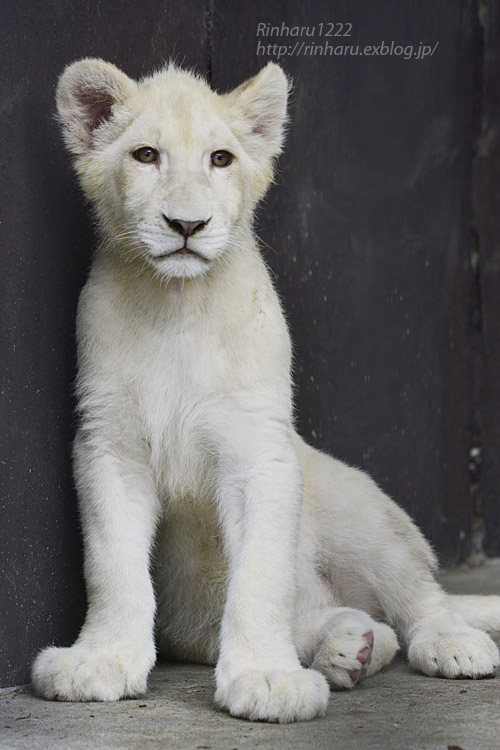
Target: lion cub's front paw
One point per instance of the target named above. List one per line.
(456, 652)
(80, 673)
(275, 696)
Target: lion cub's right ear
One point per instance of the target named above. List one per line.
(86, 93)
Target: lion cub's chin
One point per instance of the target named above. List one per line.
(180, 265)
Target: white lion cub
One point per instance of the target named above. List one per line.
(269, 559)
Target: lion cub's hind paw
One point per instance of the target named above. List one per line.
(457, 653)
(344, 651)
(352, 646)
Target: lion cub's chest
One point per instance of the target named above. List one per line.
(180, 383)
(186, 372)
(176, 368)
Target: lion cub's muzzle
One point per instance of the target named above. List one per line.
(185, 229)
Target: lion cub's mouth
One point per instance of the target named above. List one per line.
(181, 251)
(187, 251)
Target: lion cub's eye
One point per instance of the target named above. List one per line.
(146, 154)
(221, 158)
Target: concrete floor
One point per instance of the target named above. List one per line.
(392, 710)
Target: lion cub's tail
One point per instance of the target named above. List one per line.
(480, 611)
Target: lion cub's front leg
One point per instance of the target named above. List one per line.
(115, 651)
(259, 676)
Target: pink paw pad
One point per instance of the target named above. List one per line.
(369, 638)
(364, 655)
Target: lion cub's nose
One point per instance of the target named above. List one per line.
(186, 228)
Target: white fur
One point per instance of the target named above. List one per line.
(270, 557)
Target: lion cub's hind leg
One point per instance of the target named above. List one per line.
(345, 645)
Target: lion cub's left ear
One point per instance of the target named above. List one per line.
(259, 111)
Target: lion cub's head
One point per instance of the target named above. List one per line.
(173, 169)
